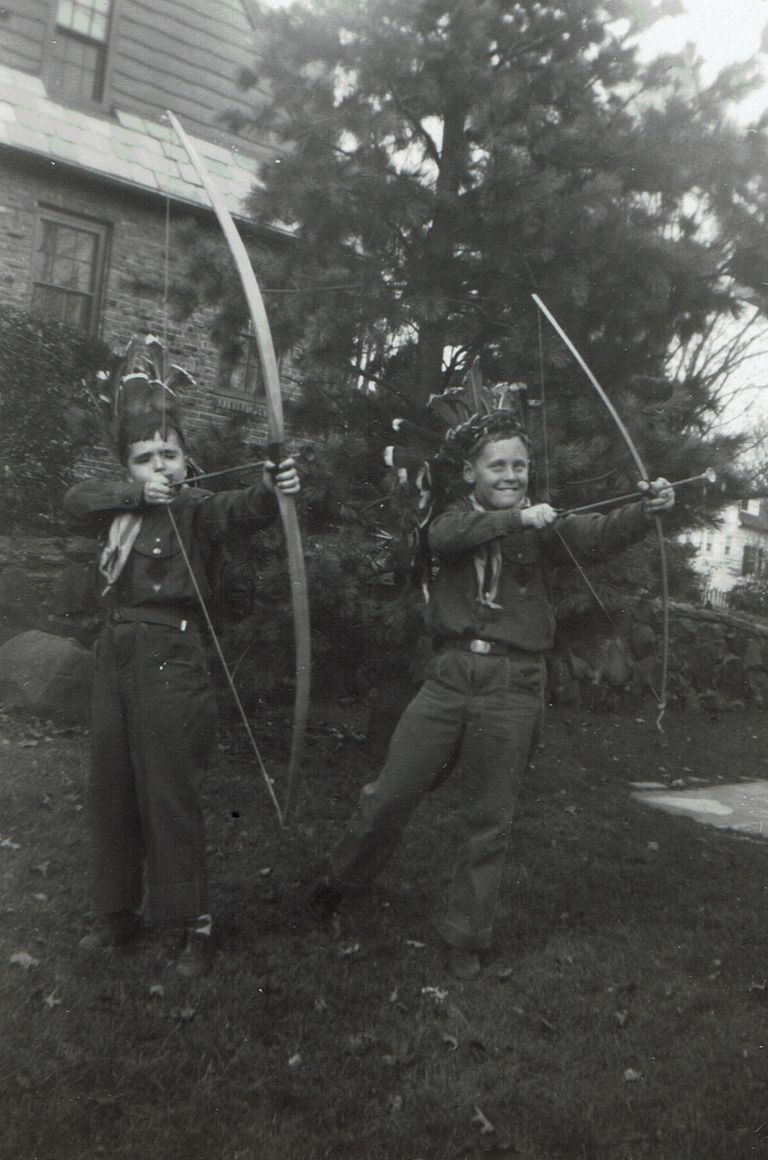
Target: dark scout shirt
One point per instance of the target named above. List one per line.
(525, 619)
(156, 573)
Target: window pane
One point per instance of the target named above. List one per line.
(239, 368)
(76, 68)
(87, 17)
(66, 271)
(74, 309)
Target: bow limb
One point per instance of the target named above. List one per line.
(638, 460)
(296, 566)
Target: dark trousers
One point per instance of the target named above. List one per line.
(153, 729)
(488, 708)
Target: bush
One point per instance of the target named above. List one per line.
(749, 596)
(41, 363)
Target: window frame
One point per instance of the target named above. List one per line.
(84, 223)
(107, 45)
(229, 367)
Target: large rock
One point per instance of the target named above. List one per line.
(49, 675)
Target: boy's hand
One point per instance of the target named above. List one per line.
(158, 491)
(284, 476)
(539, 515)
(659, 497)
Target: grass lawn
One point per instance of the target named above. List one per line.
(623, 1015)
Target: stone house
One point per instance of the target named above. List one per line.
(735, 550)
(93, 181)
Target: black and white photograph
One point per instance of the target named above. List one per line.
(383, 579)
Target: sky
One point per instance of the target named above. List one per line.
(723, 31)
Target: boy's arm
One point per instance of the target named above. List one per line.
(217, 512)
(254, 507)
(461, 529)
(90, 505)
(593, 536)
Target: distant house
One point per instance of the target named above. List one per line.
(92, 180)
(736, 550)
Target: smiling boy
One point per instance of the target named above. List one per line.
(491, 620)
(153, 715)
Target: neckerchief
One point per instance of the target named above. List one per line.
(122, 536)
(488, 561)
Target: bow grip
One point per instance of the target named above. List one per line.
(276, 453)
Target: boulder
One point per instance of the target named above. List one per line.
(49, 675)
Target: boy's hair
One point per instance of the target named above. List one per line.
(143, 425)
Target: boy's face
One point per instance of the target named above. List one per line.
(161, 455)
(499, 475)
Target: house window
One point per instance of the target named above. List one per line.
(753, 561)
(77, 57)
(68, 271)
(240, 368)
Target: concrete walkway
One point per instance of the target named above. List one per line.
(742, 807)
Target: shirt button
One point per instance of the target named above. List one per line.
(157, 551)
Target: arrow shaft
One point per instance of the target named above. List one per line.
(588, 507)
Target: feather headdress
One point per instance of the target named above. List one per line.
(134, 397)
(429, 458)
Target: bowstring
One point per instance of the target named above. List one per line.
(227, 673)
(660, 700)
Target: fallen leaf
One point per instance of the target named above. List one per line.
(631, 1075)
(187, 1013)
(51, 1001)
(295, 1060)
(24, 960)
(547, 1026)
(320, 1004)
(395, 1103)
(451, 1041)
(486, 1127)
(352, 949)
(417, 946)
(7, 844)
(157, 991)
(437, 994)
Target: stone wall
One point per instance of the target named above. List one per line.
(717, 660)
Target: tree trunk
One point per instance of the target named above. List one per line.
(438, 285)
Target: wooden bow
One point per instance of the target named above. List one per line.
(275, 424)
(662, 694)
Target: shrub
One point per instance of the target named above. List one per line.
(41, 363)
(749, 596)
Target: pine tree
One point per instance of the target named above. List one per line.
(439, 161)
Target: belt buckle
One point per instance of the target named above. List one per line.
(480, 646)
